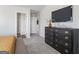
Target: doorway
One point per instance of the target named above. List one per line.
(34, 23)
(21, 25)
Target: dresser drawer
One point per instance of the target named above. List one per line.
(63, 31)
(50, 43)
(63, 36)
(67, 50)
(58, 47)
(49, 29)
(49, 37)
(67, 39)
(64, 43)
(62, 49)
(50, 34)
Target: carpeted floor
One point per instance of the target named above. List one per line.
(34, 45)
(20, 46)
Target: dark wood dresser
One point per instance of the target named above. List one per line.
(64, 40)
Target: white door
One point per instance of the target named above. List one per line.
(22, 24)
(35, 26)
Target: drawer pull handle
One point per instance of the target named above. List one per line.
(56, 40)
(56, 34)
(66, 51)
(66, 32)
(66, 37)
(66, 44)
(56, 45)
(51, 43)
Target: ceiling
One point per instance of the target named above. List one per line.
(33, 7)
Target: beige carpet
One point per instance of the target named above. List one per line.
(34, 45)
(20, 46)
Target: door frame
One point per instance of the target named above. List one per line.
(24, 12)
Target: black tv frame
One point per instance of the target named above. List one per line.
(64, 19)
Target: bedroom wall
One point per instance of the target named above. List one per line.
(45, 15)
(8, 19)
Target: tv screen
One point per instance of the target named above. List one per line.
(62, 15)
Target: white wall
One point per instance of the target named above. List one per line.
(45, 15)
(8, 19)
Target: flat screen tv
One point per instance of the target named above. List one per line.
(62, 15)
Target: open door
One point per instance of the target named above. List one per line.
(21, 24)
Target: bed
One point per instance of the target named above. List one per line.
(7, 44)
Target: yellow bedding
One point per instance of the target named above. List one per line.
(7, 43)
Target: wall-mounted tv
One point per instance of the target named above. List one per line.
(62, 15)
